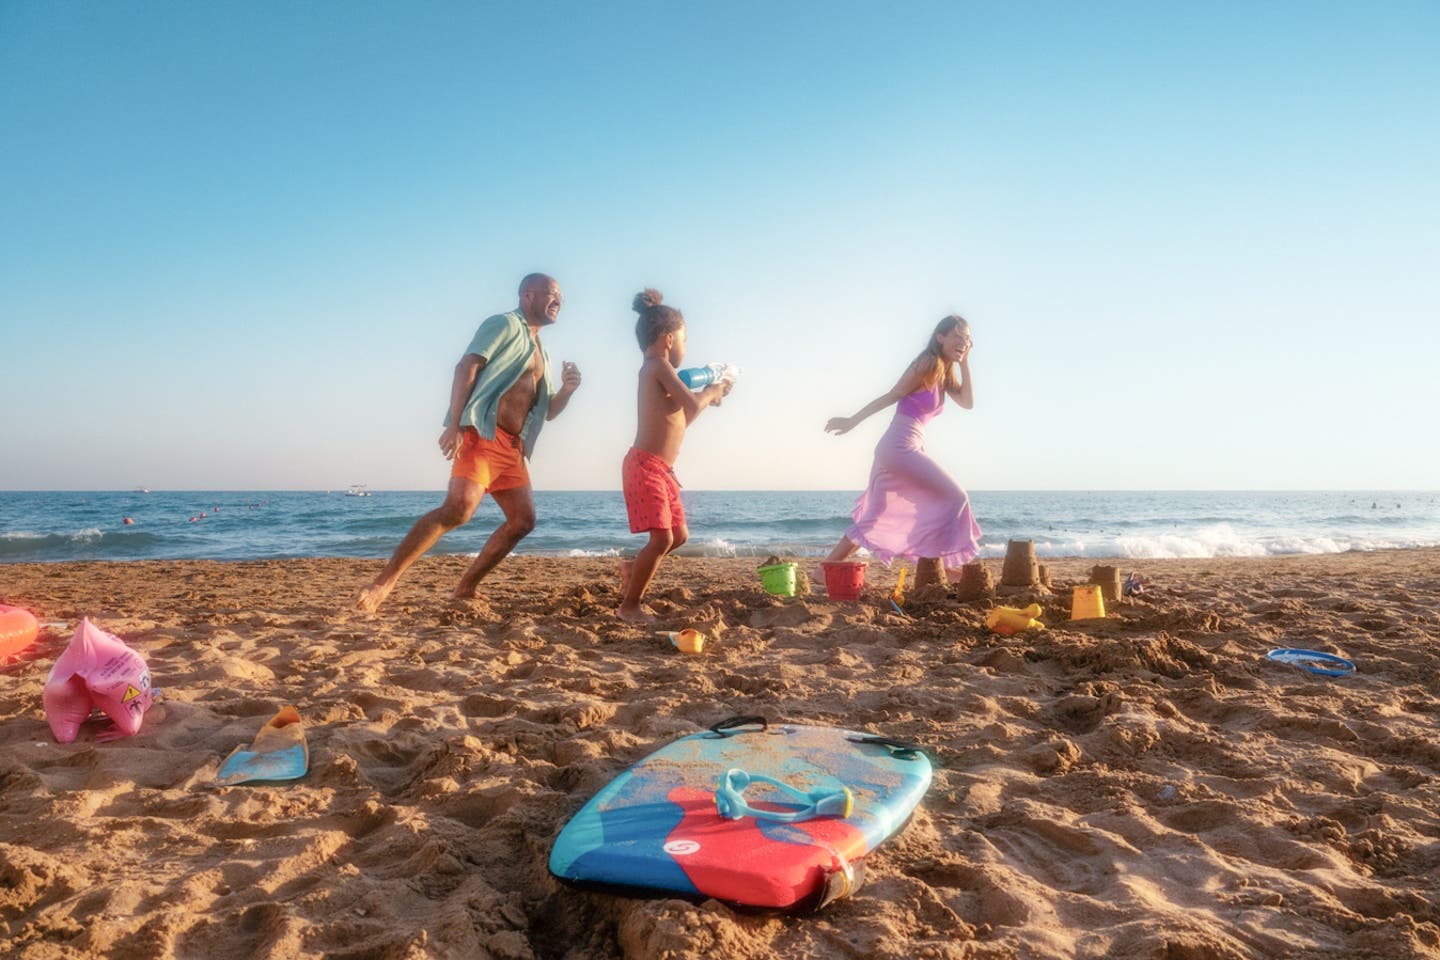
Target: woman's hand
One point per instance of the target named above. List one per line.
(839, 425)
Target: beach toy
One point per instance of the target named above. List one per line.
(844, 579)
(686, 641)
(1088, 602)
(278, 753)
(778, 578)
(18, 629)
(1324, 664)
(698, 378)
(661, 827)
(97, 669)
(1009, 620)
(730, 799)
(897, 596)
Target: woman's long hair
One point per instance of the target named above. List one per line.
(933, 364)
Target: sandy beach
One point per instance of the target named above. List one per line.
(1146, 786)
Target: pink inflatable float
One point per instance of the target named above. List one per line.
(97, 669)
(17, 629)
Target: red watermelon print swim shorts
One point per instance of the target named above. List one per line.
(652, 493)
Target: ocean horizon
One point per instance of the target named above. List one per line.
(52, 526)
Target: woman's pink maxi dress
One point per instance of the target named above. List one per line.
(913, 508)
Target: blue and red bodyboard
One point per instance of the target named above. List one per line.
(656, 826)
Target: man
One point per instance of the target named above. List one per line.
(500, 398)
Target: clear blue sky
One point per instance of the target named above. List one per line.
(242, 245)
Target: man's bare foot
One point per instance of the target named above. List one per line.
(368, 600)
(637, 615)
(461, 593)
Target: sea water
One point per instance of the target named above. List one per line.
(50, 526)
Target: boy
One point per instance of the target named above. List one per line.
(666, 408)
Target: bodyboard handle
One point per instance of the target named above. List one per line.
(899, 749)
(732, 725)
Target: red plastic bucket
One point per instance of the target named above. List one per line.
(844, 580)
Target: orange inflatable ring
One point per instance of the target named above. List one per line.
(17, 629)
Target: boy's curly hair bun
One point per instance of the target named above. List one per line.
(655, 320)
(645, 299)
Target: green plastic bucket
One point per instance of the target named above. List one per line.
(779, 579)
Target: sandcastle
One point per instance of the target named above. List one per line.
(1108, 579)
(1021, 573)
(928, 572)
(975, 582)
(1021, 568)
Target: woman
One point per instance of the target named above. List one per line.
(913, 508)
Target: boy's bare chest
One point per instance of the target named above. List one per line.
(668, 403)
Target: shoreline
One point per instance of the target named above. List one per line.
(1140, 786)
(738, 558)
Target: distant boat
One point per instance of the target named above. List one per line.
(142, 489)
(357, 490)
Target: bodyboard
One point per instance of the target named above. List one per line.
(656, 827)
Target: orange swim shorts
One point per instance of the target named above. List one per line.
(652, 493)
(497, 464)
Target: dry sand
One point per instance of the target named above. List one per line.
(1143, 786)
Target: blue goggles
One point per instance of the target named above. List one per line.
(729, 799)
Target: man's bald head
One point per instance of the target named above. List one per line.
(535, 281)
(540, 299)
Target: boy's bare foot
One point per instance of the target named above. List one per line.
(368, 600)
(462, 594)
(637, 615)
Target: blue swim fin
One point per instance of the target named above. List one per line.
(278, 753)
